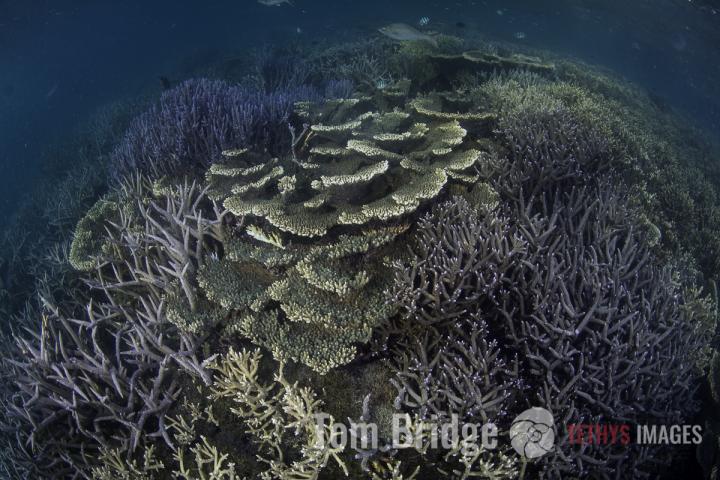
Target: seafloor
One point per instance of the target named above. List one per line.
(360, 230)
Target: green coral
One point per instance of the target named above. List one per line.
(114, 466)
(206, 463)
(277, 414)
(230, 284)
(359, 168)
(314, 346)
(314, 306)
(358, 162)
(187, 319)
(89, 237)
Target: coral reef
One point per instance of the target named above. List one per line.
(358, 231)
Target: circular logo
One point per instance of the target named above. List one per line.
(531, 433)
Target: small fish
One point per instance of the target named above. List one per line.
(424, 21)
(500, 12)
(519, 35)
(404, 32)
(274, 3)
(52, 91)
(460, 24)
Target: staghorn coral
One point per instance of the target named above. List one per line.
(192, 123)
(563, 305)
(162, 242)
(75, 393)
(672, 178)
(101, 373)
(207, 463)
(392, 471)
(274, 412)
(116, 466)
(707, 451)
(461, 260)
(434, 378)
(568, 303)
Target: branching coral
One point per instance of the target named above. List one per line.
(197, 120)
(434, 377)
(116, 466)
(274, 412)
(565, 307)
(207, 464)
(552, 300)
(76, 393)
(101, 371)
(461, 261)
(158, 247)
(671, 177)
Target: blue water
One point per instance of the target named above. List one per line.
(62, 59)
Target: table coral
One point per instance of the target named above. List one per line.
(361, 164)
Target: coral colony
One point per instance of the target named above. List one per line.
(480, 236)
(193, 123)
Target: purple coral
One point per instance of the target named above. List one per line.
(562, 310)
(104, 371)
(193, 123)
(340, 88)
(280, 70)
(553, 300)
